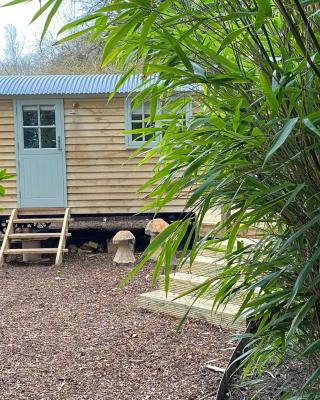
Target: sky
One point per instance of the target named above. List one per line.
(20, 15)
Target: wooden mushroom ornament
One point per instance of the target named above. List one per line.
(124, 240)
(153, 228)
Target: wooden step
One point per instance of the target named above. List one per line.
(181, 282)
(158, 302)
(37, 220)
(218, 251)
(206, 228)
(57, 211)
(9, 231)
(43, 250)
(10, 235)
(213, 253)
(203, 265)
(36, 235)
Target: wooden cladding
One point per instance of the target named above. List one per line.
(7, 153)
(101, 176)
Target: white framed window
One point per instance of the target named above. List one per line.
(139, 119)
(186, 111)
(181, 107)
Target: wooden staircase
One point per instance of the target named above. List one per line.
(17, 219)
(185, 279)
(207, 264)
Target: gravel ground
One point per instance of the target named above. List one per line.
(72, 334)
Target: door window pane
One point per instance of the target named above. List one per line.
(47, 116)
(48, 138)
(30, 115)
(31, 138)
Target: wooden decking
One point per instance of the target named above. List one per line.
(208, 264)
(17, 220)
(188, 278)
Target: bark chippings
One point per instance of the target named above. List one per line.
(72, 334)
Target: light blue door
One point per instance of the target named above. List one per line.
(40, 153)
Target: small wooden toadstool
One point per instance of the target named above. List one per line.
(154, 227)
(124, 240)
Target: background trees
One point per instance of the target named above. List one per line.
(12, 50)
(79, 56)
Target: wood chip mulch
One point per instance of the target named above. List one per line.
(275, 382)
(71, 333)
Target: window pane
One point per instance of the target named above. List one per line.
(48, 138)
(137, 117)
(138, 110)
(31, 138)
(149, 124)
(146, 109)
(47, 115)
(143, 109)
(30, 115)
(137, 125)
(137, 137)
(149, 136)
(138, 121)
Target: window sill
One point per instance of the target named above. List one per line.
(132, 146)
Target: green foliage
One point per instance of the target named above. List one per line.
(4, 176)
(252, 148)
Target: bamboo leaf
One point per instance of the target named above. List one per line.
(269, 94)
(299, 317)
(264, 11)
(292, 196)
(42, 9)
(314, 377)
(312, 348)
(311, 126)
(231, 37)
(74, 24)
(14, 2)
(121, 81)
(303, 274)
(119, 35)
(282, 137)
(52, 13)
(73, 36)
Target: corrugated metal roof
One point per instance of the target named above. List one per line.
(65, 84)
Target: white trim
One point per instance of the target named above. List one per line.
(130, 143)
(189, 111)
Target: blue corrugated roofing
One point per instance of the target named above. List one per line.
(65, 84)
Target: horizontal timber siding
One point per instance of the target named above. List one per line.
(7, 153)
(100, 176)
(101, 179)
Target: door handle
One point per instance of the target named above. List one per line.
(59, 143)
